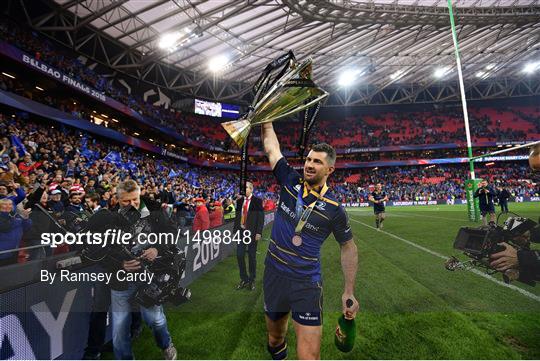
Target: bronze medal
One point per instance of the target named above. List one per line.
(297, 240)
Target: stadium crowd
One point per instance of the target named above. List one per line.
(429, 183)
(71, 181)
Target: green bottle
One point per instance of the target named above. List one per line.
(345, 332)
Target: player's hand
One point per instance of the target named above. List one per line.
(505, 259)
(132, 265)
(349, 312)
(150, 254)
(257, 237)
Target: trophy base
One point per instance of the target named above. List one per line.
(238, 130)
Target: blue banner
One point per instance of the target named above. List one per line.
(16, 142)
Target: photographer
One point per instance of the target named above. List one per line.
(485, 195)
(129, 200)
(525, 260)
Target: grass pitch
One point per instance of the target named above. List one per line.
(411, 306)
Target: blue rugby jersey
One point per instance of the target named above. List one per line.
(328, 216)
(378, 196)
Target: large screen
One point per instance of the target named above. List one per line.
(207, 108)
(215, 109)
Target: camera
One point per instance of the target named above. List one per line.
(165, 286)
(167, 268)
(480, 243)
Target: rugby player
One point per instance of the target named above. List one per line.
(308, 212)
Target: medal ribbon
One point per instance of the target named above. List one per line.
(303, 214)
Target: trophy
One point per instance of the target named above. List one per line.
(289, 92)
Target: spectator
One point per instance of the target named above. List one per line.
(229, 214)
(92, 201)
(216, 215)
(5, 189)
(27, 165)
(201, 222)
(12, 228)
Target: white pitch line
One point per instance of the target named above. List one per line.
(436, 254)
(410, 215)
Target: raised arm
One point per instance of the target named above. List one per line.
(271, 144)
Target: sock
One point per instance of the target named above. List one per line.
(278, 352)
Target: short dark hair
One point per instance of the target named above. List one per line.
(328, 149)
(94, 197)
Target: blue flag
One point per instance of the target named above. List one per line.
(16, 141)
(114, 158)
(87, 153)
(132, 166)
(173, 174)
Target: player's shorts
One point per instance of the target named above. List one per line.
(487, 209)
(379, 210)
(283, 295)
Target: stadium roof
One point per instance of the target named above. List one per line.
(390, 45)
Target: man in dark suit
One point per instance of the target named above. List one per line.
(503, 195)
(167, 195)
(249, 217)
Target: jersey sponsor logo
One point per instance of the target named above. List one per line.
(287, 210)
(312, 227)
